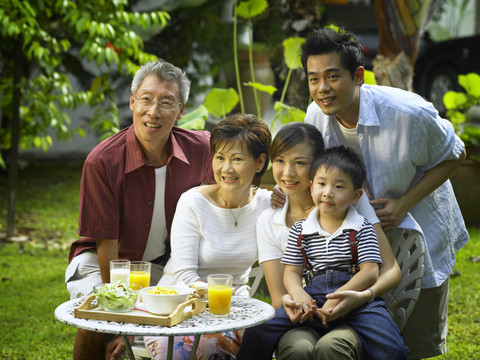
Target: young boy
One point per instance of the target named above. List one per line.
(335, 248)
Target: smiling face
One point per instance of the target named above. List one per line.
(291, 169)
(332, 87)
(152, 124)
(333, 191)
(234, 166)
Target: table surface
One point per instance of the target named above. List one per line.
(245, 312)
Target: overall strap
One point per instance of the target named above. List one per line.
(306, 263)
(353, 248)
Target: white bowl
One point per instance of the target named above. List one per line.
(164, 304)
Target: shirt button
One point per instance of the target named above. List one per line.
(142, 247)
(147, 225)
(149, 202)
(150, 179)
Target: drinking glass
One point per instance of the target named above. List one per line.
(120, 270)
(219, 294)
(140, 272)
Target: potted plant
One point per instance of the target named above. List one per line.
(463, 110)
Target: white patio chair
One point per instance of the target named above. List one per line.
(408, 247)
(256, 276)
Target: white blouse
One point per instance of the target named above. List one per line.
(205, 240)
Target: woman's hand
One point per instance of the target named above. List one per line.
(340, 303)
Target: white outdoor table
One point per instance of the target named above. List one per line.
(245, 312)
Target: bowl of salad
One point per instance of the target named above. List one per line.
(161, 300)
(117, 296)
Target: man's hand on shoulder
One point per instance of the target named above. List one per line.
(278, 198)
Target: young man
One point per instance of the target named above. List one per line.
(130, 187)
(335, 249)
(409, 153)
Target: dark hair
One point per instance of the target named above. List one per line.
(344, 158)
(324, 41)
(295, 133)
(250, 131)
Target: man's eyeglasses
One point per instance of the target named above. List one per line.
(163, 105)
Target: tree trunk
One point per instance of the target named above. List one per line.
(400, 25)
(15, 127)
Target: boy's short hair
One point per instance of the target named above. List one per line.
(344, 158)
(325, 40)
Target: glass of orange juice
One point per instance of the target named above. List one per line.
(219, 294)
(140, 272)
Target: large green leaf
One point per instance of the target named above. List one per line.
(219, 102)
(288, 114)
(471, 83)
(251, 8)
(261, 87)
(291, 51)
(454, 100)
(194, 120)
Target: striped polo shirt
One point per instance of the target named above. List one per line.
(326, 250)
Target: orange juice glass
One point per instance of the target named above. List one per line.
(140, 272)
(219, 294)
(141, 278)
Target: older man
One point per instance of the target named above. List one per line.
(130, 186)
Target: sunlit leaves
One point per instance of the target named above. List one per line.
(369, 78)
(220, 102)
(291, 52)
(194, 120)
(99, 32)
(261, 87)
(251, 8)
(458, 104)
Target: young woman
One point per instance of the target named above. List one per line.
(293, 150)
(214, 228)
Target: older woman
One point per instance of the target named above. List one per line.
(214, 228)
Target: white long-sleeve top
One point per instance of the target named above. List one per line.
(205, 240)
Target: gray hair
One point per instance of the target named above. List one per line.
(164, 71)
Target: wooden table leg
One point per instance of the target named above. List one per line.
(193, 352)
(128, 348)
(170, 347)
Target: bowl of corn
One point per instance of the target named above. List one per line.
(163, 300)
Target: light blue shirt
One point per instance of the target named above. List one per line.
(402, 137)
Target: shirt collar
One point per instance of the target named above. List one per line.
(134, 155)
(280, 215)
(367, 115)
(353, 221)
(176, 149)
(135, 158)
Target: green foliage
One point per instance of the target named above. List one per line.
(251, 8)
(44, 41)
(219, 102)
(458, 104)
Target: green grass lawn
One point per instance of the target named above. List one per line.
(32, 277)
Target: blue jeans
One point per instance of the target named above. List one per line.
(380, 336)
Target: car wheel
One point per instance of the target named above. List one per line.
(440, 81)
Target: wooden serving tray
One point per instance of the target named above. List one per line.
(88, 311)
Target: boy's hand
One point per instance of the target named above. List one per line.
(301, 309)
(292, 308)
(278, 198)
